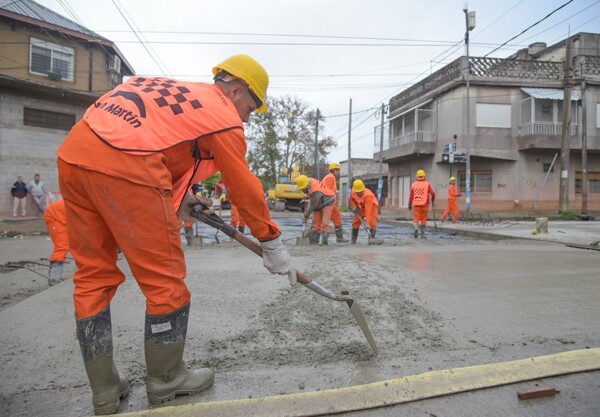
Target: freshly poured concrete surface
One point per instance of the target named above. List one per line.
(435, 304)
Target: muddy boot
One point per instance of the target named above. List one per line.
(373, 232)
(188, 236)
(95, 339)
(416, 232)
(422, 228)
(242, 229)
(55, 272)
(314, 238)
(354, 236)
(339, 234)
(325, 237)
(167, 375)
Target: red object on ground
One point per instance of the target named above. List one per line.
(536, 393)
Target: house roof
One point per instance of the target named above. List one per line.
(548, 93)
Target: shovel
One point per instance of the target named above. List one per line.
(304, 239)
(370, 240)
(211, 219)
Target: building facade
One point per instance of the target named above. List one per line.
(51, 70)
(511, 127)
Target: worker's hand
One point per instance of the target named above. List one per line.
(190, 201)
(355, 210)
(277, 260)
(304, 220)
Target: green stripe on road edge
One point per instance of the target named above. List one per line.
(393, 391)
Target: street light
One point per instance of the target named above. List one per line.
(470, 25)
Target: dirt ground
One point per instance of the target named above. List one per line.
(431, 304)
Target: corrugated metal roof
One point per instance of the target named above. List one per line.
(548, 93)
(33, 10)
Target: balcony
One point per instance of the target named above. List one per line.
(545, 128)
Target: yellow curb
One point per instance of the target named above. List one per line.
(393, 391)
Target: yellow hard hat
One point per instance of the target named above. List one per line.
(334, 165)
(249, 70)
(302, 182)
(358, 186)
(452, 179)
(420, 173)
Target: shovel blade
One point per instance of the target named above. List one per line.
(362, 323)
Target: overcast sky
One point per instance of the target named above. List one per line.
(324, 52)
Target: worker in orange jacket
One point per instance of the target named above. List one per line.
(125, 171)
(421, 193)
(452, 206)
(365, 207)
(330, 181)
(55, 217)
(320, 202)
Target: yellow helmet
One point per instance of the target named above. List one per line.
(452, 179)
(358, 186)
(334, 165)
(302, 181)
(420, 174)
(249, 70)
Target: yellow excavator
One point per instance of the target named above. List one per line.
(286, 195)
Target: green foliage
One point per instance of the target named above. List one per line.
(569, 215)
(210, 182)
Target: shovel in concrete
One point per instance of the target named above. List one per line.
(210, 218)
(370, 239)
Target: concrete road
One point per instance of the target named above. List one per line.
(441, 303)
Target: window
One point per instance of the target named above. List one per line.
(481, 181)
(546, 167)
(493, 115)
(48, 119)
(51, 60)
(593, 182)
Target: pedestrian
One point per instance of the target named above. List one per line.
(125, 171)
(37, 189)
(421, 193)
(320, 202)
(19, 193)
(330, 181)
(452, 206)
(365, 207)
(237, 220)
(56, 221)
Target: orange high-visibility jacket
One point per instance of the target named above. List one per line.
(169, 134)
(367, 205)
(318, 197)
(419, 193)
(452, 193)
(330, 181)
(56, 212)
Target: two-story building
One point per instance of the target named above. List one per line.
(51, 70)
(513, 137)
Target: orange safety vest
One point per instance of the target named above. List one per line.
(316, 186)
(330, 182)
(420, 191)
(358, 201)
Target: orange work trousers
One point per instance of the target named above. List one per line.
(236, 218)
(105, 213)
(336, 217)
(452, 208)
(321, 219)
(420, 214)
(58, 234)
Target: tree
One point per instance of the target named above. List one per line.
(283, 137)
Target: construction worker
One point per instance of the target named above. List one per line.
(418, 201)
(365, 207)
(125, 171)
(452, 206)
(55, 217)
(330, 181)
(320, 202)
(237, 220)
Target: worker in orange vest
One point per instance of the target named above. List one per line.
(418, 202)
(452, 206)
(320, 202)
(365, 207)
(55, 217)
(125, 171)
(330, 181)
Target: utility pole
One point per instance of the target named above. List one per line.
(470, 25)
(317, 147)
(565, 147)
(380, 181)
(584, 173)
(350, 148)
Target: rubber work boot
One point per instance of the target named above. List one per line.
(188, 236)
(95, 340)
(354, 236)
(373, 232)
(55, 272)
(242, 229)
(416, 232)
(422, 227)
(167, 375)
(314, 237)
(325, 238)
(339, 234)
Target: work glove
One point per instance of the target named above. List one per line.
(189, 201)
(304, 220)
(277, 260)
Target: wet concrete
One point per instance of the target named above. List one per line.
(439, 303)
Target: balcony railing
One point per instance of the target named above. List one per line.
(545, 128)
(418, 136)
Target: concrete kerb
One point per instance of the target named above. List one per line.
(391, 392)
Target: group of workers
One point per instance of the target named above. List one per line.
(125, 174)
